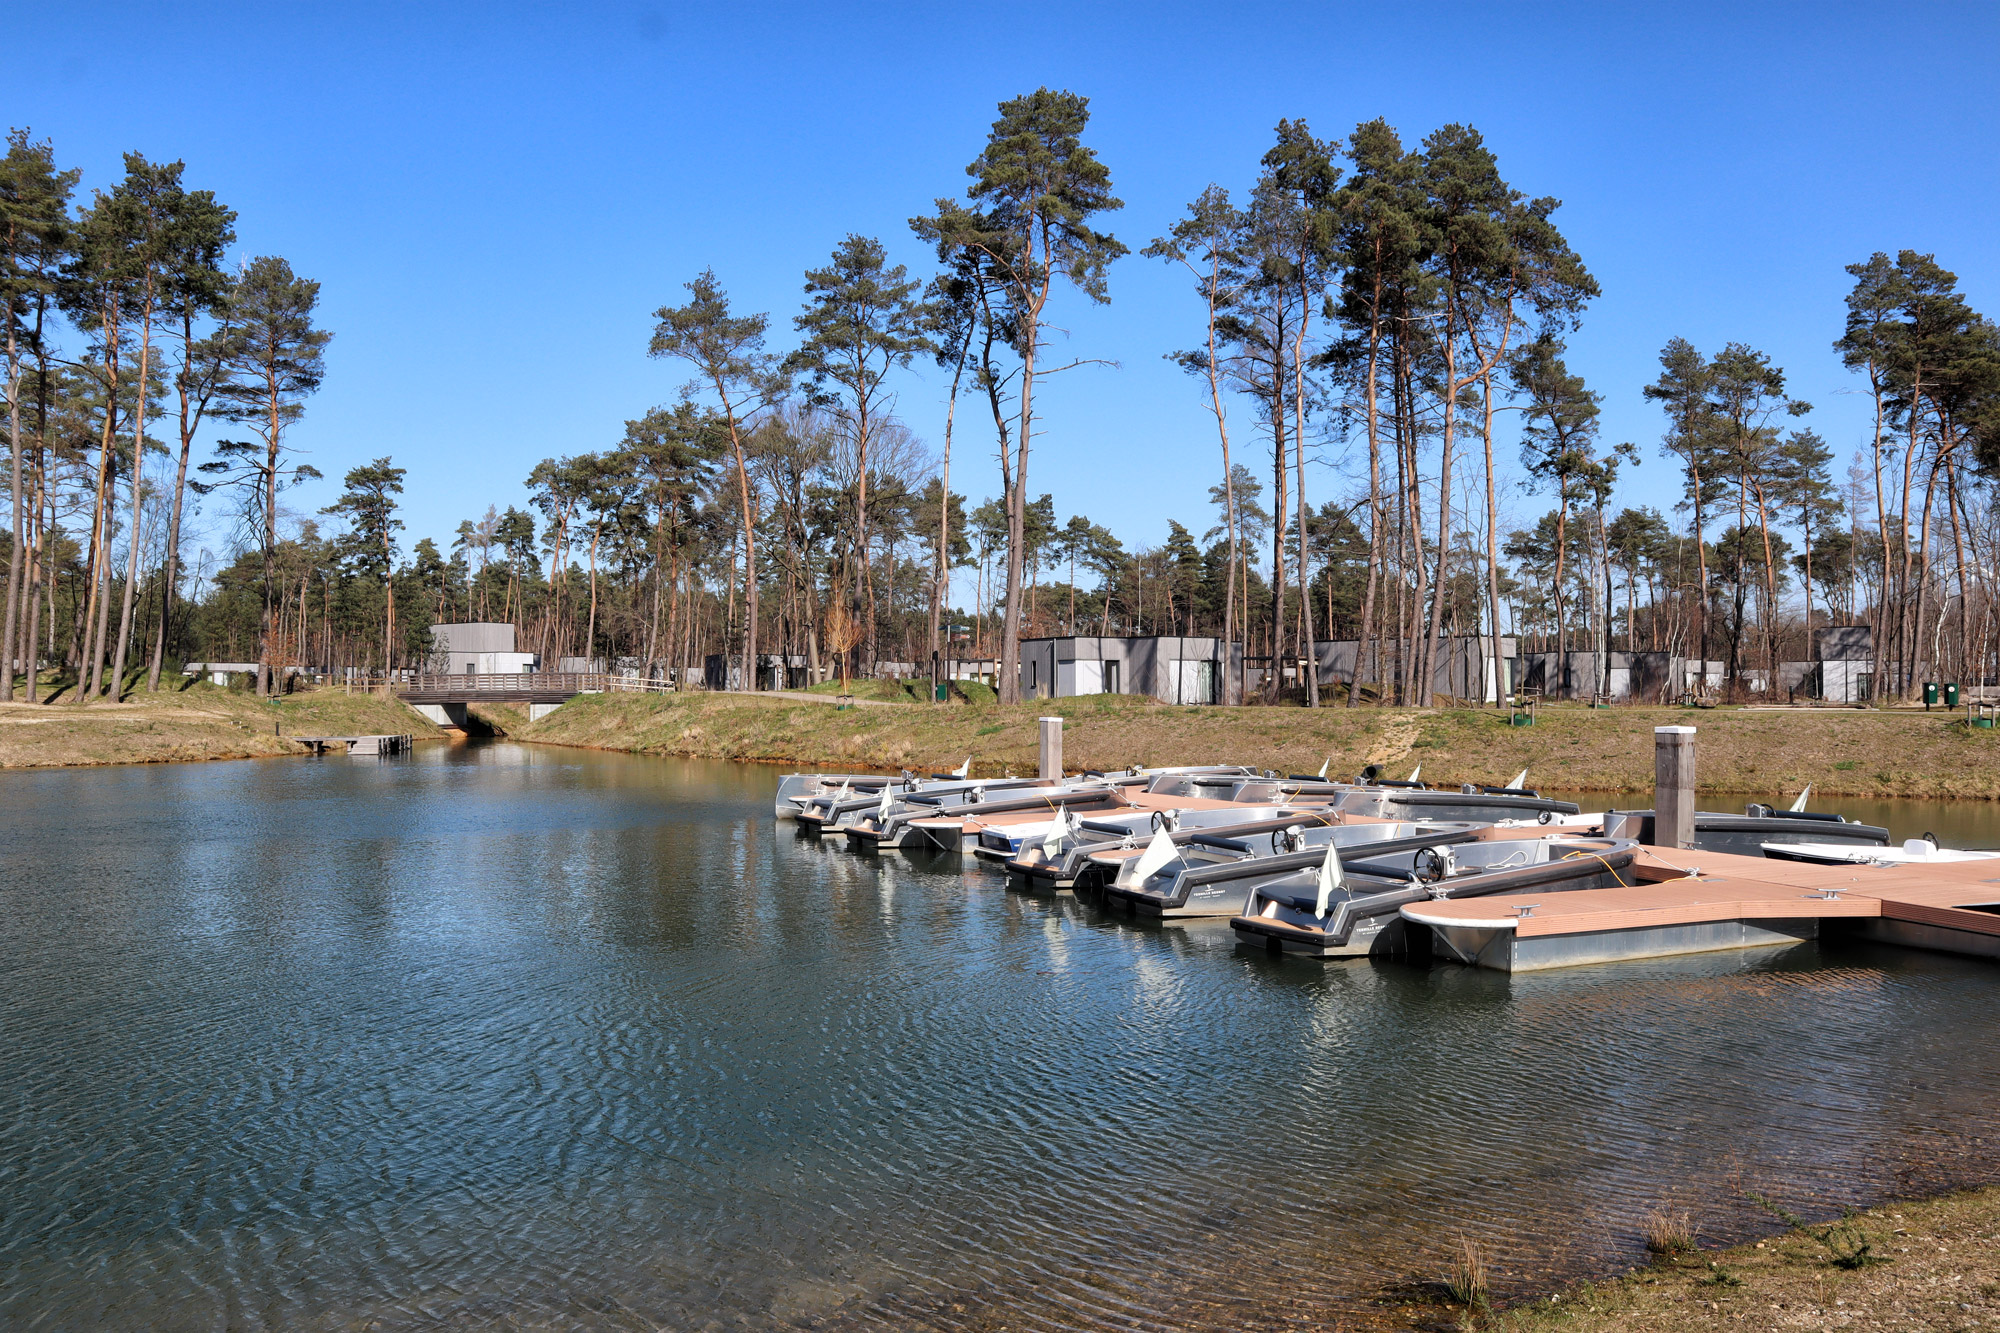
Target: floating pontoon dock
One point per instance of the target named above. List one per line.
(356, 744)
(1686, 901)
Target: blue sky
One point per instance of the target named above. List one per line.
(496, 197)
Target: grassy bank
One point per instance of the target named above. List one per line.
(1844, 752)
(198, 722)
(1929, 1265)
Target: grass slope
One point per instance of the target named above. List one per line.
(199, 722)
(1840, 751)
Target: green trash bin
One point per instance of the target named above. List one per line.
(1951, 694)
(944, 691)
(1930, 694)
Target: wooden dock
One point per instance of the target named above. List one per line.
(1694, 902)
(377, 745)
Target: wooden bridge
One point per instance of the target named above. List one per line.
(520, 687)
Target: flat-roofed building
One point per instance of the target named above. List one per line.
(483, 648)
(1175, 669)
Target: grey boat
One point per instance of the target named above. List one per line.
(1031, 859)
(831, 811)
(941, 824)
(1213, 876)
(1746, 834)
(899, 825)
(1361, 914)
(796, 789)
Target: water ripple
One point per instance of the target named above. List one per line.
(500, 1038)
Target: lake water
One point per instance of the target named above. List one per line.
(498, 1036)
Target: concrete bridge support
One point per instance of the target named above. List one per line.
(444, 715)
(536, 712)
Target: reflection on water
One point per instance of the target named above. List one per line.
(501, 1036)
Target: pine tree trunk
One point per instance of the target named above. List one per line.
(1309, 647)
(17, 561)
(1374, 512)
(1499, 658)
(749, 548)
(172, 570)
(138, 496)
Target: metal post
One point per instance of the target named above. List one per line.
(1051, 748)
(1673, 786)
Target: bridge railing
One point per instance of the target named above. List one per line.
(641, 685)
(405, 681)
(503, 682)
(536, 682)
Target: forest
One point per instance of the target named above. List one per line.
(1356, 324)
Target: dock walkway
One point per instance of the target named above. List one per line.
(1694, 901)
(356, 744)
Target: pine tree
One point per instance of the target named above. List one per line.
(1035, 188)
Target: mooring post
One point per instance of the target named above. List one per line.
(1673, 786)
(1051, 748)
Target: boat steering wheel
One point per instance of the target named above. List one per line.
(1432, 864)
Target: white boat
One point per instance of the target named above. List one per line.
(1913, 851)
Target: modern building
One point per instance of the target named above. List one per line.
(478, 648)
(1464, 665)
(1174, 669)
(1617, 677)
(1846, 658)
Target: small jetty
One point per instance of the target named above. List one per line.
(356, 744)
(1493, 877)
(1684, 901)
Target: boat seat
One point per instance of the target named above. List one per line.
(1301, 902)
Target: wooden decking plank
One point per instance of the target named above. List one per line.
(1954, 918)
(1676, 902)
